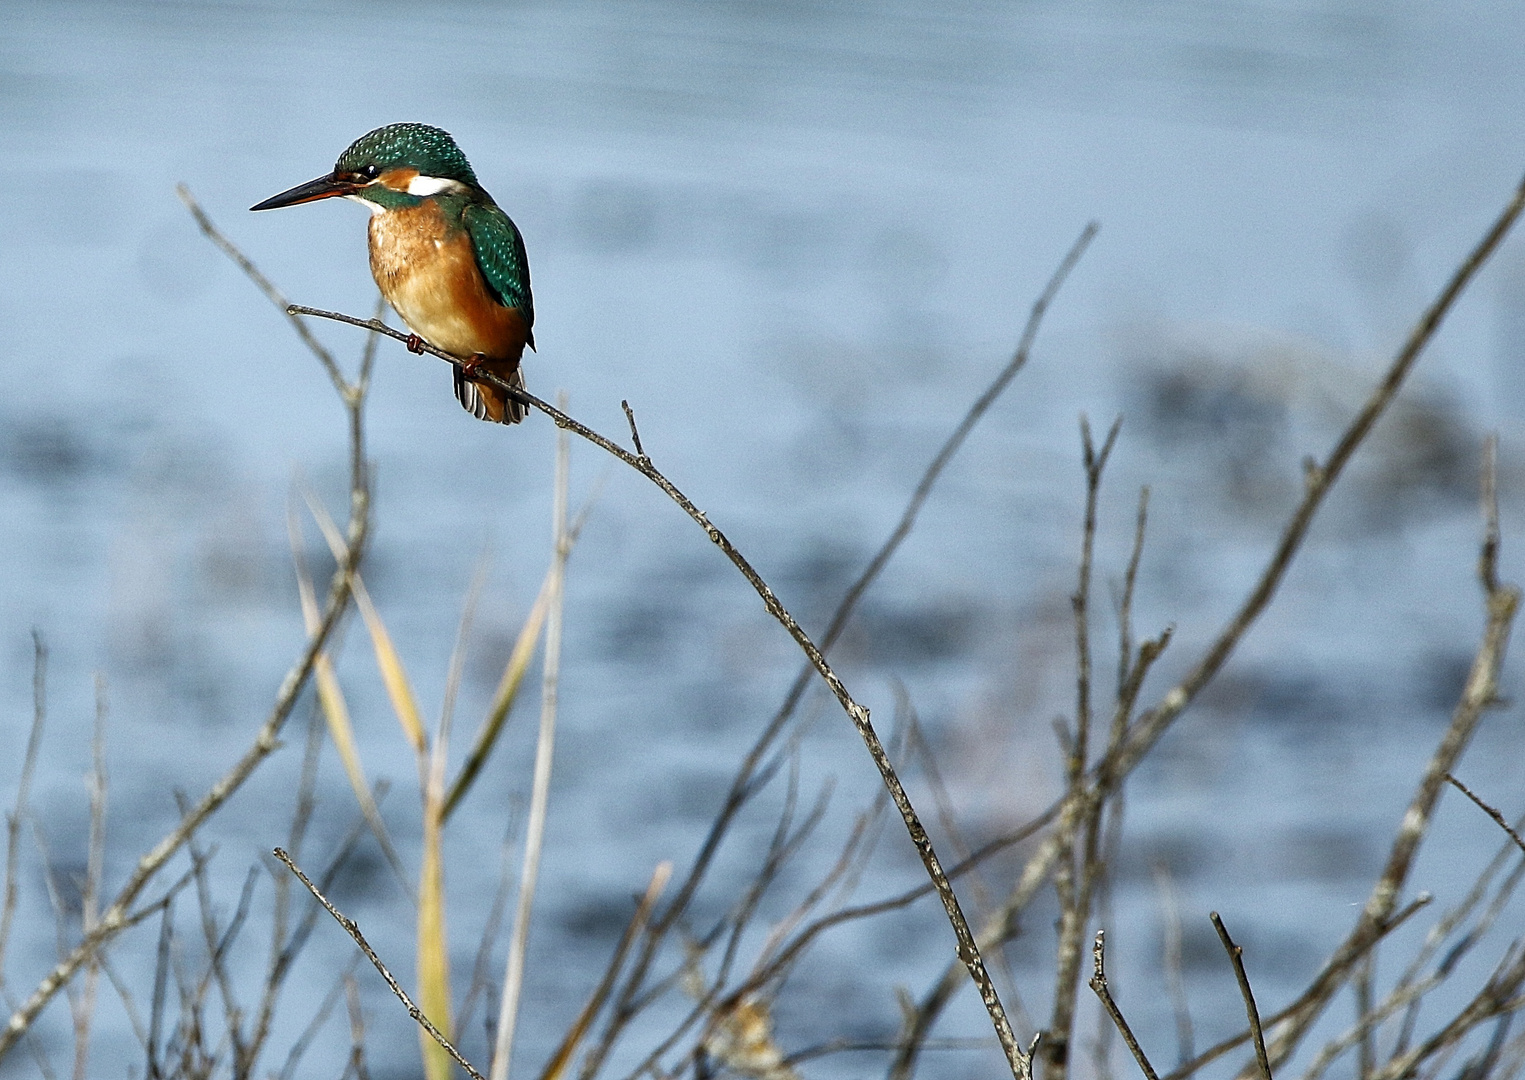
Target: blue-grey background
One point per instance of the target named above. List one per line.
(799, 239)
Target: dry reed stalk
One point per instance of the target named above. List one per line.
(513, 972)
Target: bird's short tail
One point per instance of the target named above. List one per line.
(488, 402)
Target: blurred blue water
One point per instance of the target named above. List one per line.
(798, 239)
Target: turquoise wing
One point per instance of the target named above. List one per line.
(500, 253)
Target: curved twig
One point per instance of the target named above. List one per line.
(968, 948)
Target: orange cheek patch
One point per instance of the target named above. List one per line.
(398, 179)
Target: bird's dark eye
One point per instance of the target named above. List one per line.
(372, 171)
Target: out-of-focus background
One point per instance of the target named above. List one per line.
(799, 238)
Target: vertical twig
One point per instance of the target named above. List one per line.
(513, 975)
(1366, 1056)
(1170, 914)
(23, 789)
(1125, 606)
(635, 432)
(161, 976)
(356, 1028)
(1075, 884)
(276, 964)
(95, 861)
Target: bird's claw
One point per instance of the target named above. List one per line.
(475, 361)
(415, 344)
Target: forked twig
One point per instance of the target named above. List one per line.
(1076, 877)
(353, 929)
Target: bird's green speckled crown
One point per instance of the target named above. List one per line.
(408, 146)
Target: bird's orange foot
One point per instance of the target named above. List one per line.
(415, 344)
(469, 366)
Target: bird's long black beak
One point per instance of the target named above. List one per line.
(324, 187)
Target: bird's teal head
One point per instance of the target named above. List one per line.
(392, 167)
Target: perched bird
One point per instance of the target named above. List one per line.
(446, 258)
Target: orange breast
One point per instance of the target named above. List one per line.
(428, 273)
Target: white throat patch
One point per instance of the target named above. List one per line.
(374, 208)
(424, 186)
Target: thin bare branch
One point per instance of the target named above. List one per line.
(353, 929)
(319, 1018)
(1130, 583)
(489, 940)
(852, 1046)
(1498, 818)
(635, 433)
(1104, 992)
(265, 285)
(285, 957)
(161, 975)
(23, 790)
(216, 968)
(1236, 957)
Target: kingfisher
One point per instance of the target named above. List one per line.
(447, 259)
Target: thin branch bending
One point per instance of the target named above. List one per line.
(968, 948)
(745, 783)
